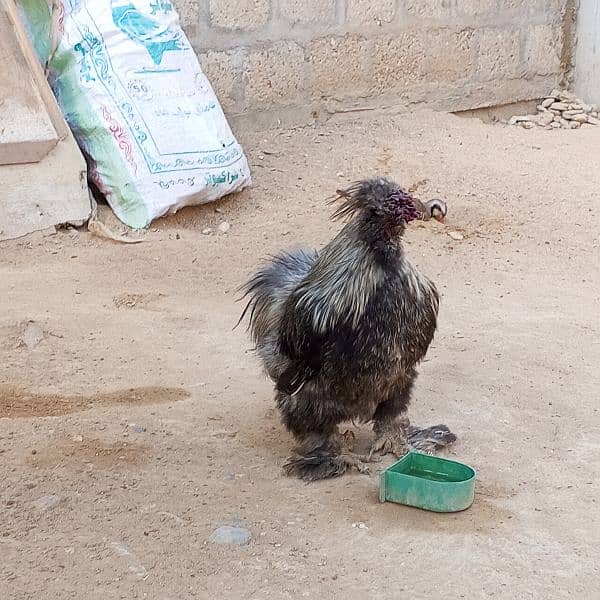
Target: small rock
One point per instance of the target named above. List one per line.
(233, 536)
(31, 336)
(456, 235)
(547, 102)
(569, 114)
(559, 106)
(593, 120)
(224, 227)
(359, 526)
(519, 119)
(555, 125)
(78, 438)
(137, 428)
(207, 231)
(545, 119)
(574, 124)
(568, 96)
(527, 124)
(47, 502)
(581, 118)
(133, 563)
(222, 434)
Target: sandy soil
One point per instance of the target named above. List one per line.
(141, 421)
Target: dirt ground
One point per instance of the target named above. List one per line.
(141, 421)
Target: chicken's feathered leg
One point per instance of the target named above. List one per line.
(390, 424)
(322, 450)
(320, 456)
(395, 435)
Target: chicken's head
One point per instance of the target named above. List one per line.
(380, 204)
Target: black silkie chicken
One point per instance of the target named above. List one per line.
(341, 332)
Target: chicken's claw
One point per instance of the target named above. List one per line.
(347, 439)
(356, 461)
(389, 442)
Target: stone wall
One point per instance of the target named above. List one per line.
(296, 60)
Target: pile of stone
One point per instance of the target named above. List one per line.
(559, 110)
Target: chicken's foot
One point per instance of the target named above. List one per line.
(359, 461)
(391, 438)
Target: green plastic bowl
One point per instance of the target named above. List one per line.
(428, 482)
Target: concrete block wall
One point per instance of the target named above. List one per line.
(297, 60)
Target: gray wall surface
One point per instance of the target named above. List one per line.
(587, 57)
(296, 59)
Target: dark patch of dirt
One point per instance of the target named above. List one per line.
(16, 402)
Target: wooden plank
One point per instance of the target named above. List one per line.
(31, 57)
(30, 121)
(52, 191)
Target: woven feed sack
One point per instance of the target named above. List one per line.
(133, 92)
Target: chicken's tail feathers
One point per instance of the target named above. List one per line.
(429, 439)
(270, 287)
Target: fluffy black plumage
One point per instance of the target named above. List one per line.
(341, 333)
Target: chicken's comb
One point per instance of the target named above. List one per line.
(406, 205)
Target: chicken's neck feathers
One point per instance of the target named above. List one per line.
(344, 278)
